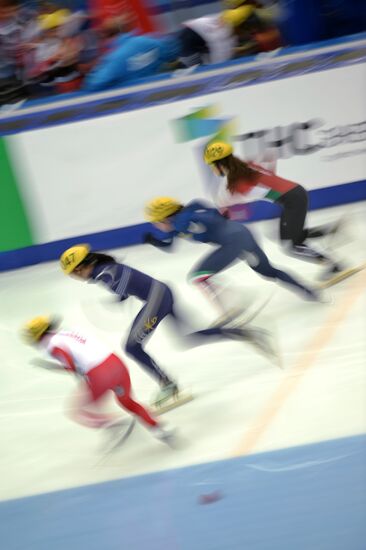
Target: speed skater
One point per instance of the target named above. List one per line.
(247, 181)
(158, 303)
(101, 371)
(232, 240)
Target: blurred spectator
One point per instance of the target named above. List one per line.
(16, 26)
(52, 49)
(206, 40)
(245, 29)
(254, 31)
(107, 9)
(52, 46)
(57, 59)
(130, 56)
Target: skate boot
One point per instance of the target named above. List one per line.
(116, 432)
(165, 435)
(339, 230)
(170, 397)
(331, 275)
(314, 295)
(342, 233)
(168, 392)
(331, 271)
(263, 341)
(260, 339)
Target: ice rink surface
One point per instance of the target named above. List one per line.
(243, 404)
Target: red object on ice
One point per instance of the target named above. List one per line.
(210, 497)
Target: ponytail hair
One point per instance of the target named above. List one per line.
(55, 323)
(237, 169)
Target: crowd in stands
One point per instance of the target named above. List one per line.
(46, 48)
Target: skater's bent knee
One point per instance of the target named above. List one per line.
(198, 277)
(132, 348)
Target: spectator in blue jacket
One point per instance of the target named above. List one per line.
(130, 56)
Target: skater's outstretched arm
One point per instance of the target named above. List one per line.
(163, 242)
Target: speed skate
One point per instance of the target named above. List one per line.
(117, 433)
(266, 343)
(238, 317)
(162, 406)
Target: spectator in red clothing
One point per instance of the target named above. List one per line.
(16, 27)
(53, 59)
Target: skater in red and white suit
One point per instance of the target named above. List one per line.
(101, 370)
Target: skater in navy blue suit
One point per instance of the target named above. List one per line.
(232, 240)
(158, 303)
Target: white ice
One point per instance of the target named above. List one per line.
(42, 450)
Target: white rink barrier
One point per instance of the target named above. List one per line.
(88, 178)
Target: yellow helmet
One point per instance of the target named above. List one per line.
(217, 150)
(236, 17)
(160, 208)
(53, 20)
(73, 256)
(35, 328)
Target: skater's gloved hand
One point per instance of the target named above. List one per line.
(150, 239)
(147, 238)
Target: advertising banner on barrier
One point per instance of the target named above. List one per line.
(96, 175)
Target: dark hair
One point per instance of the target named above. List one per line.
(52, 327)
(9, 3)
(54, 324)
(95, 258)
(177, 211)
(237, 169)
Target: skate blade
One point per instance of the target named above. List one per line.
(237, 318)
(272, 355)
(171, 404)
(227, 318)
(341, 276)
(45, 364)
(125, 429)
(342, 235)
(270, 350)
